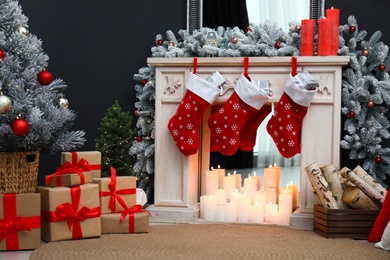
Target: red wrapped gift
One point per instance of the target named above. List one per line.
(116, 192)
(94, 159)
(70, 212)
(20, 221)
(70, 175)
(131, 220)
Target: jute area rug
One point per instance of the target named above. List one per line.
(212, 241)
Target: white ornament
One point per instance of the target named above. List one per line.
(5, 104)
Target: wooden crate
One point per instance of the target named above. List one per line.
(343, 223)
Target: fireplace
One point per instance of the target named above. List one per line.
(180, 180)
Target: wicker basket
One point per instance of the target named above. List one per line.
(19, 172)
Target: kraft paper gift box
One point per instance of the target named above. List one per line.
(116, 192)
(20, 221)
(134, 220)
(94, 159)
(69, 175)
(70, 212)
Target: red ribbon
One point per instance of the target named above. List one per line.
(70, 213)
(294, 66)
(131, 211)
(246, 65)
(115, 194)
(11, 224)
(195, 64)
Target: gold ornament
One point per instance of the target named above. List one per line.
(365, 52)
(5, 104)
(371, 104)
(63, 102)
(234, 40)
(297, 28)
(23, 30)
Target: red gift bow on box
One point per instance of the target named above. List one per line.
(11, 224)
(115, 194)
(71, 214)
(79, 168)
(91, 167)
(131, 211)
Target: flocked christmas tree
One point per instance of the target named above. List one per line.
(365, 89)
(34, 112)
(115, 141)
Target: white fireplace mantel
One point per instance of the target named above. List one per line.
(179, 179)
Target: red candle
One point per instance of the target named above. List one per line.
(333, 15)
(324, 37)
(307, 37)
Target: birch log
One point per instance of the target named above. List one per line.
(367, 178)
(320, 186)
(361, 184)
(357, 199)
(332, 176)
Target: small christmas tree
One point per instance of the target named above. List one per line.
(34, 112)
(115, 141)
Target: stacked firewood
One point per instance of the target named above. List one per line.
(345, 188)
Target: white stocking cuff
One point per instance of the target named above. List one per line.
(253, 93)
(295, 89)
(202, 88)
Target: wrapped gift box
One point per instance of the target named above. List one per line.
(68, 179)
(70, 212)
(20, 221)
(116, 192)
(93, 158)
(134, 222)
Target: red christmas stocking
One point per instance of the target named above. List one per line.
(249, 130)
(184, 125)
(285, 125)
(227, 122)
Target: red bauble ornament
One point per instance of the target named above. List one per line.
(2, 54)
(159, 42)
(351, 114)
(371, 104)
(137, 112)
(382, 67)
(139, 138)
(45, 78)
(143, 82)
(248, 29)
(277, 45)
(19, 127)
(378, 160)
(298, 28)
(234, 40)
(352, 29)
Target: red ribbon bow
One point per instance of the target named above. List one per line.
(79, 168)
(9, 225)
(115, 194)
(131, 211)
(71, 214)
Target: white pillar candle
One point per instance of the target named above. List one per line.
(220, 194)
(269, 211)
(275, 217)
(287, 190)
(270, 177)
(285, 208)
(250, 186)
(256, 213)
(231, 212)
(201, 213)
(277, 178)
(271, 194)
(229, 184)
(258, 181)
(295, 195)
(238, 180)
(243, 205)
(221, 175)
(259, 197)
(220, 213)
(210, 205)
(212, 181)
(235, 195)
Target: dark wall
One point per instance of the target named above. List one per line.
(96, 47)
